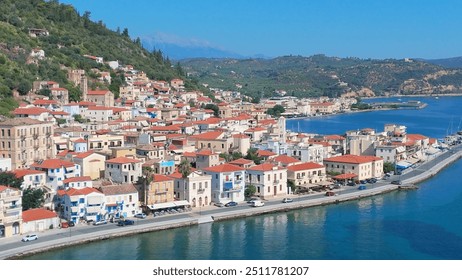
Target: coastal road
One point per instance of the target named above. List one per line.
(54, 238)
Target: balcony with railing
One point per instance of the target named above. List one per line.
(200, 190)
(161, 191)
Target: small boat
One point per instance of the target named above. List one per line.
(408, 187)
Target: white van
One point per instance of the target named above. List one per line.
(257, 203)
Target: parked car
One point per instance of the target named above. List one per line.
(140, 215)
(351, 184)
(29, 237)
(125, 223)
(71, 223)
(219, 204)
(100, 222)
(396, 182)
(330, 193)
(363, 181)
(231, 204)
(287, 200)
(362, 187)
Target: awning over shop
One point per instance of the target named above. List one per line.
(403, 164)
(162, 205)
(181, 203)
(345, 176)
(166, 205)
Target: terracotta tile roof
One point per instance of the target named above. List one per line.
(285, 159)
(30, 111)
(44, 102)
(80, 140)
(255, 129)
(189, 154)
(37, 214)
(53, 163)
(98, 92)
(83, 191)
(122, 160)
(265, 153)
(85, 154)
(305, 166)
(416, 137)
(226, 167)
(59, 113)
(241, 161)
(160, 178)
(86, 103)
(353, 159)
(77, 179)
(241, 136)
(19, 173)
(264, 167)
(210, 135)
(334, 137)
(4, 188)
(206, 152)
(118, 189)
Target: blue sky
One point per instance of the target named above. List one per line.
(348, 28)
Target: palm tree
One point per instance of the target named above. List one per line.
(185, 169)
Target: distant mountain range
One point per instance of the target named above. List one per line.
(320, 75)
(453, 62)
(179, 51)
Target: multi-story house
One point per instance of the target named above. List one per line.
(228, 182)
(306, 174)
(159, 166)
(123, 170)
(158, 191)
(105, 142)
(207, 158)
(120, 201)
(80, 204)
(151, 151)
(10, 211)
(91, 163)
(31, 178)
(78, 182)
(99, 114)
(269, 180)
(25, 140)
(196, 188)
(364, 167)
(57, 171)
(308, 152)
(101, 97)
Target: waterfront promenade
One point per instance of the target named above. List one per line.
(52, 239)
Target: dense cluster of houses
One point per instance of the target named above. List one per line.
(104, 158)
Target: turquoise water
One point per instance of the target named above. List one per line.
(422, 224)
(441, 117)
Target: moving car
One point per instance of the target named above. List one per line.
(362, 187)
(140, 215)
(330, 193)
(125, 223)
(29, 237)
(219, 204)
(287, 200)
(100, 222)
(257, 203)
(231, 204)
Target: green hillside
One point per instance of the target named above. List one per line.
(321, 75)
(70, 37)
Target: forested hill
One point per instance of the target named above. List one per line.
(70, 37)
(322, 75)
